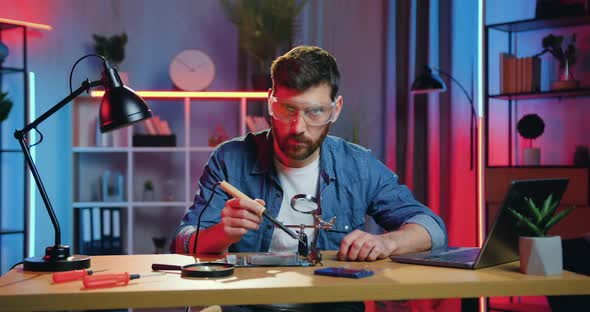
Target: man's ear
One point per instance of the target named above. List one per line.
(338, 107)
(269, 92)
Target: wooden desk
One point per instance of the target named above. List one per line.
(26, 291)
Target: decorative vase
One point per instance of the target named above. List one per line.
(566, 79)
(531, 156)
(540, 255)
(582, 156)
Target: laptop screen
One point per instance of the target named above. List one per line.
(501, 244)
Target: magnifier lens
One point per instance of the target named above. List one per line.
(304, 203)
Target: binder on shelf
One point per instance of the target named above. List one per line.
(117, 246)
(99, 231)
(85, 231)
(96, 231)
(106, 237)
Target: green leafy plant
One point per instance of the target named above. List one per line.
(539, 220)
(263, 26)
(564, 52)
(148, 185)
(5, 106)
(112, 48)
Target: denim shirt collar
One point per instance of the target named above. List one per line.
(265, 152)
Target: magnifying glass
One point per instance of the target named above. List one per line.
(203, 269)
(304, 203)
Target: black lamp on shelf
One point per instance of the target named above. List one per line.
(427, 82)
(120, 107)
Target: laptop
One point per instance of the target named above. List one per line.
(501, 245)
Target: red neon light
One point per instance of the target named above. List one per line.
(26, 24)
(188, 94)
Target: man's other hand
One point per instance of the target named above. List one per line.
(362, 246)
(240, 215)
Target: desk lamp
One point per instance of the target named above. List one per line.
(120, 107)
(429, 83)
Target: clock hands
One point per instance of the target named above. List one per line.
(191, 68)
(185, 64)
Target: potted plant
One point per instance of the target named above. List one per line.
(148, 190)
(565, 53)
(5, 106)
(530, 127)
(264, 27)
(113, 49)
(540, 254)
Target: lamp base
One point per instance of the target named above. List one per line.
(57, 258)
(75, 262)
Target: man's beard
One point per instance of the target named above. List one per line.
(303, 150)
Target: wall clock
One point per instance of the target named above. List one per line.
(192, 70)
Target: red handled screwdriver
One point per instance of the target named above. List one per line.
(111, 280)
(68, 276)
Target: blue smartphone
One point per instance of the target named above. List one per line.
(343, 272)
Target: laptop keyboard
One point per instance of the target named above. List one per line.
(461, 256)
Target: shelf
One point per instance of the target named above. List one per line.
(12, 232)
(10, 151)
(10, 70)
(536, 24)
(543, 94)
(6, 23)
(135, 204)
(99, 204)
(91, 149)
(499, 178)
(161, 204)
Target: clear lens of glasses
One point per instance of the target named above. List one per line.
(314, 115)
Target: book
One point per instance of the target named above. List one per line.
(96, 243)
(117, 246)
(85, 231)
(106, 237)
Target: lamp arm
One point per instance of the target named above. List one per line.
(20, 136)
(469, 97)
(86, 85)
(473, 115)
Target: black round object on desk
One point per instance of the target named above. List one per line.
(202, 269)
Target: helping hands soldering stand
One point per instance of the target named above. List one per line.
(312, 253)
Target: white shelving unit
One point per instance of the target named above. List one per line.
(174, 171)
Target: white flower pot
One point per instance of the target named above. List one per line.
(531, 156)
(540, 255)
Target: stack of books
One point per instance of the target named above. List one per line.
(519, 74)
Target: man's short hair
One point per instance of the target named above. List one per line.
(304, 67)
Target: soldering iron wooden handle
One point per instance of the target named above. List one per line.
(234, 192)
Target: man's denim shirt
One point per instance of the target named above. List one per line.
(353, 184)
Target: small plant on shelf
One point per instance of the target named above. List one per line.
(564, 54)
(530, 127)
(563, 50)
(148, 190)
(5, 106)
(112, 48)
(148, 185)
